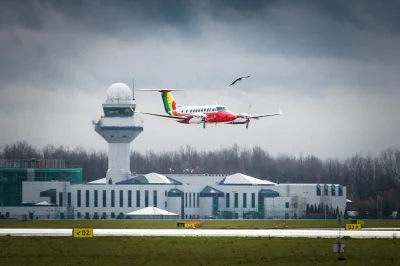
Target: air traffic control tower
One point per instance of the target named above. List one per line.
(118, 128)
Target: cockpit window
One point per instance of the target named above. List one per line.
(221, 108)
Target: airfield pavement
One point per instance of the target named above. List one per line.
(306, 233)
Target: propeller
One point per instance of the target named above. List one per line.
(248, 118)
(204, 123)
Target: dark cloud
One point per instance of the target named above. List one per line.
(317, 60)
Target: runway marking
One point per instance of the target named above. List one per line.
(307, 233)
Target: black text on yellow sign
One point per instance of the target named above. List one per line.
(82, 232)
(190, 225)
(353, 226)
(357, 222)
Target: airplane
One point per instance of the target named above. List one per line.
(212, 114)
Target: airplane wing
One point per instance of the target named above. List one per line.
(259, 116)
(166, 116)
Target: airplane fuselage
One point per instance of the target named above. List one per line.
(211, 113)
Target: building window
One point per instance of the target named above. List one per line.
(318, 190)
(78, 214)
(340, 191)
(194, 200)
(69, 199)
(60, 199)
(96, 198)
(155, 198)
(253, 200)
(112, 198)
(166, 193)
(333, 190)
(78, 198)
(121, 198)
(87, 198)
(112, 215)
(137, 198)
(326, 190)
(244, 200)
(104, 198)
(236, 200)
(190, 199)
(186, 200)
(129, 198)
(287, 205)
(146, 198)
(198, 200)
(165, 204)
(228, 198)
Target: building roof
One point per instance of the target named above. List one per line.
(150, 178)
(151, 211)
(242, 179)
(99, 181)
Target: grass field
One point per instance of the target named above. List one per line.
(193, 251)
(171, 224)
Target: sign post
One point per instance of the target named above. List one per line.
(339, 248)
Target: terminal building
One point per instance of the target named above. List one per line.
(48, 189)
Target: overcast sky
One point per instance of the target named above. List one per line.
(331, 66)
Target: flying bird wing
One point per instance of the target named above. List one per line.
(238, 80)
(235, 81)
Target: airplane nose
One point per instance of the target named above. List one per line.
(233, 116)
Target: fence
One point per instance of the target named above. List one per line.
(36, 163)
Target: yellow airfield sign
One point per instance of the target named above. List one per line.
(353, 226)
(82, 232)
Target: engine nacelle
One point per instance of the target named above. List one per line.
(243, 115)
(197, 118)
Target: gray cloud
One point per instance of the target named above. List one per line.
(330, 66)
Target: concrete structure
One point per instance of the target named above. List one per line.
(190, 196)
(119, 129)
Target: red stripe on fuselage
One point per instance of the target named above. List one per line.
(212, 117)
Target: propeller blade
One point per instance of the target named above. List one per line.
(247, 124)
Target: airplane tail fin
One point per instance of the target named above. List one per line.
(167, 98)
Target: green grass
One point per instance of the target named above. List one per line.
(193, 251)
(171, 224)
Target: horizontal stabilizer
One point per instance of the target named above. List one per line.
(159, 90)
(166, 116)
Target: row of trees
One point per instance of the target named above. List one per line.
(372, 181)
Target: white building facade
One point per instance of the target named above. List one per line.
(236, 196)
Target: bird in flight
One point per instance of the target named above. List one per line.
(238, 80)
